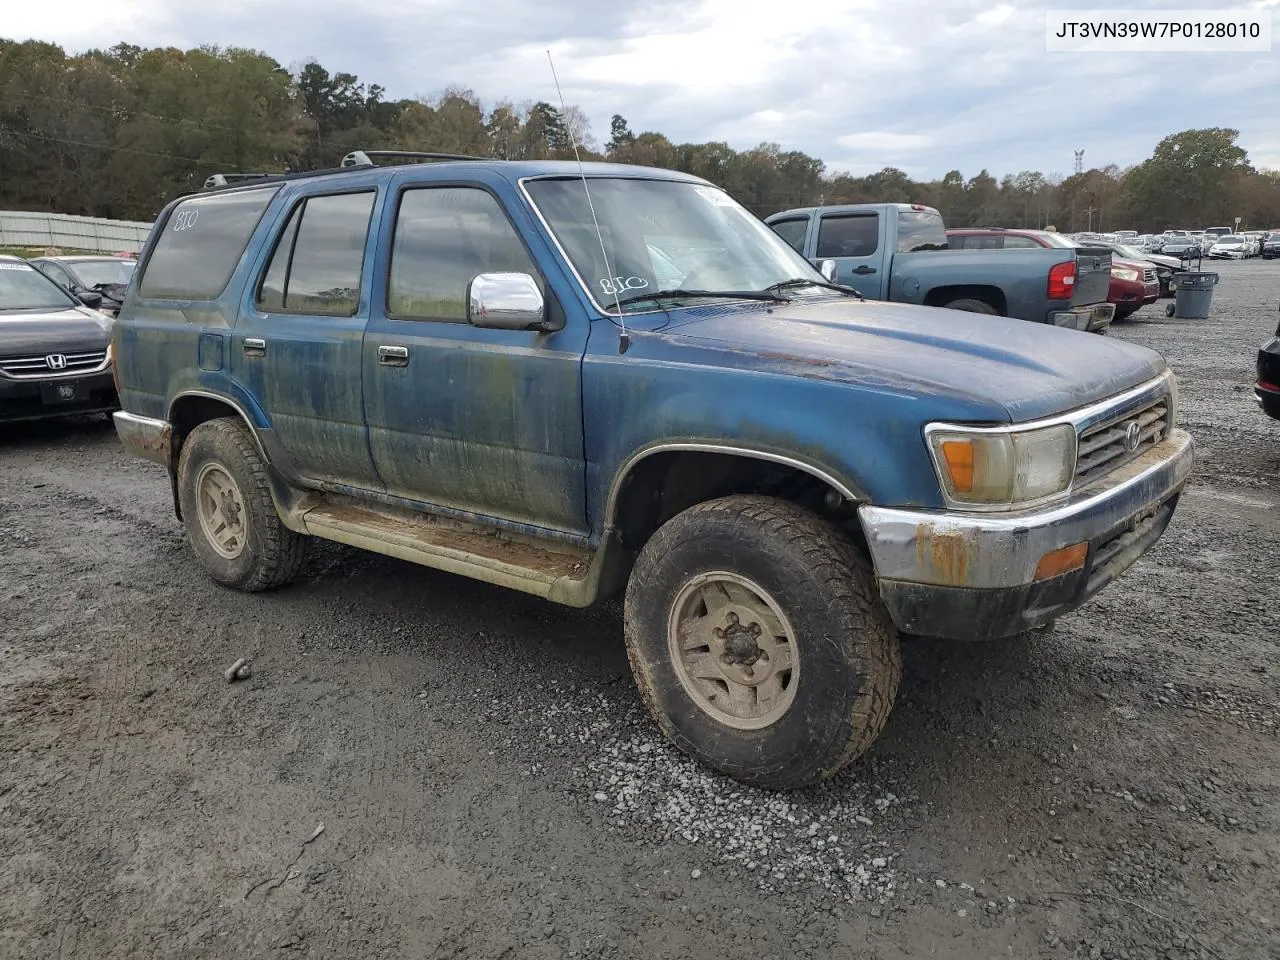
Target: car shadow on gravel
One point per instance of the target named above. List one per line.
(40, 433)
(954, 696)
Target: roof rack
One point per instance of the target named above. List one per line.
(367, 158)
(352, 162)
(227, 179)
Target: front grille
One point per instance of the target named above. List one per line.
(30, 368)
(1106, 446)
(1115, 553)
(1149, 276)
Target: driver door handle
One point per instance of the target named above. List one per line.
(864, 270)
(393, 356)
(255, 347)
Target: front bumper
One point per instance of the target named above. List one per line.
(1267, 390)
(971, 576)
(1091, 317)
(38, 399)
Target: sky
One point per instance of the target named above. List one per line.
(924, 85)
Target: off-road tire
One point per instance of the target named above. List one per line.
(846, 644)
(970, 305)
(272, 553)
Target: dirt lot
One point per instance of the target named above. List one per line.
(489, 788)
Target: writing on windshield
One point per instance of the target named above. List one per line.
(657, 235)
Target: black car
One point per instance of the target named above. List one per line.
(1271, 247)
(1267, 389)
(108, 276)
(55, 353)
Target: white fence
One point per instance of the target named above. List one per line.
(21, 229)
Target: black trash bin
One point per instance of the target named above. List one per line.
(1192, 295)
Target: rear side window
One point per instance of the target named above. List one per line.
(445, 237)
(792, 231)
(201, 245)
(319, 257)
(921, 229)
(1019, 243)
(853, 235)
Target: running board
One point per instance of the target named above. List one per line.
(557, 571)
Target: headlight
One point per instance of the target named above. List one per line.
(1125, 273)
(1002, 467)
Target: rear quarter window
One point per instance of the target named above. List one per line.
(201, 244)
(921, 229)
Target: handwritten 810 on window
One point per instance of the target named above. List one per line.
(612, 286)
(185, 220)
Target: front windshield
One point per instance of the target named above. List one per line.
(23, 287)
(663, 235)
(1229, 240)
(93, 273)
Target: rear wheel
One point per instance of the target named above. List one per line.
(759, 642)
(972, 306)
(227, 507)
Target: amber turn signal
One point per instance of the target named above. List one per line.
(959, 457)
(1063, 560)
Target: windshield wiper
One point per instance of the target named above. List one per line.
(802, 282)
(767, 296)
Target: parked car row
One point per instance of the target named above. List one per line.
(1132, 284)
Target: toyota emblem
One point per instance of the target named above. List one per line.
(56, 361)
(1132, 436)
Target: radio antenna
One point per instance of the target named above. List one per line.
(624, 340)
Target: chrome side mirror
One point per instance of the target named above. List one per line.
(507, 301)
(828, 269)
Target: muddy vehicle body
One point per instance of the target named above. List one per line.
(616, 381)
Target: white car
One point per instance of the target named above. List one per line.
(1232, 247)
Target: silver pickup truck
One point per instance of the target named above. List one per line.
(898, 251)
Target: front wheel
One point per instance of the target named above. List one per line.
(759, 642)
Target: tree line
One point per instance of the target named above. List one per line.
(119, 132)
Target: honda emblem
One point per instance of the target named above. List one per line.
(56, 361)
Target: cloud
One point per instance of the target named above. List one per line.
(917, 84)
(876, 141)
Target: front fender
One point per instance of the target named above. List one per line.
(865, 440)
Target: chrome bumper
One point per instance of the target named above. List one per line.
(972, 575)
(1094, 316)
(145, 437)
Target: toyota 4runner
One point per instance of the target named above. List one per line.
(611, 380)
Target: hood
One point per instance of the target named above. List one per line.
(1015, 369)
(31, 332)
(1171, 262)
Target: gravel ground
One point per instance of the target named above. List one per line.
(488, 786)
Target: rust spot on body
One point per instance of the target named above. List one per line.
(947, 555)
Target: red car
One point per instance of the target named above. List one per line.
(1133, 282)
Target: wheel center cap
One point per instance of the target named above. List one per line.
(739, 641)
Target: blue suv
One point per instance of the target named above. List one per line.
(586, 382)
